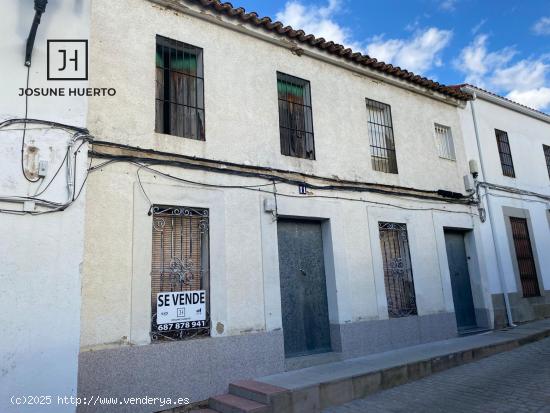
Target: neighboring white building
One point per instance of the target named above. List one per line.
(511, 143)
(312, 193)
(41, 246)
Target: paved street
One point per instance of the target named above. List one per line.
(514, 381)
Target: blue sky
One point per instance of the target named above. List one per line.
(503, 46)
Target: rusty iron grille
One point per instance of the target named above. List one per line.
(546, 149)
(382, 143)
(180, 261)
(295, 117)
(398, 276)
(524, 256)
(179, 89)
(505, 153)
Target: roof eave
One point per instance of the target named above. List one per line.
(505, 103)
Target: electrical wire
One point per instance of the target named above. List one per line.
(25, 131)
(258, 188)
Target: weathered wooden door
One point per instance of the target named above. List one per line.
(460, 280)
(303, 288)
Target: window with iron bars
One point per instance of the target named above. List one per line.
(180, 263)
(295, 117)
(546, 150)
(382, 144)
(398, 276)
(525, 259)
(445, 142)
(179, 107)
(505, 153)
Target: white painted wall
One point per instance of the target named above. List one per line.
(526, 135)
(241, 101)
(40, 256)
(242, 127)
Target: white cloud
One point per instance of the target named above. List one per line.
(524, 81)
(478, 26)
(542, 26)
(476, 62)
(419, 53)
(448, 5)
(318, 21)
(534, 98)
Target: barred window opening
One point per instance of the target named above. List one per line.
(525, 258)
(398, 276)
(445, 142)
(546, 150)
(180, 262)
(179, 89)
(295, 117)
(382, 144)
(505, 153)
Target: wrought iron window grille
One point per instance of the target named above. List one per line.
(398, 276)
(505, 154)
(525, 259)
(295, 117)
(445, 142)
(382, 142)
(180, 262)
(179, 108)
(546, 150)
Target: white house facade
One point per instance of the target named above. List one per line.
(43, 163)
(297, 202)
(212, 196)
(511, 143)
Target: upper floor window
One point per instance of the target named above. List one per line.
(179, 89)
(546, 149)
(382, 145)
(445, 142)
(295, 118)
(505, 154)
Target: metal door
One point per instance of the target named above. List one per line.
(303, 288)
(460, 280)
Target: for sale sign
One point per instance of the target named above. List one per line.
(181, 310)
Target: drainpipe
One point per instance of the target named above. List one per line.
(503, 285)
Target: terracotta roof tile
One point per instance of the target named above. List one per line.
(328, 47)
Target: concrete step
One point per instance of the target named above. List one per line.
(278, 398)
(204, 411)
(229, 403)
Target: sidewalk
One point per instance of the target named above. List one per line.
(312, 389)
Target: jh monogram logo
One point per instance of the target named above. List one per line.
(67, 60)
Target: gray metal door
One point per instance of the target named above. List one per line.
(303, 288)
(460, 280)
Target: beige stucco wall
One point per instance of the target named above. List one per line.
(241, 101)
(242, 127)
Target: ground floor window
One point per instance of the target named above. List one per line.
(180, 292)
(398, 276)
(525, 259)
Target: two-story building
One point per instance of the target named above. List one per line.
(511, 144)
(261, 199)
